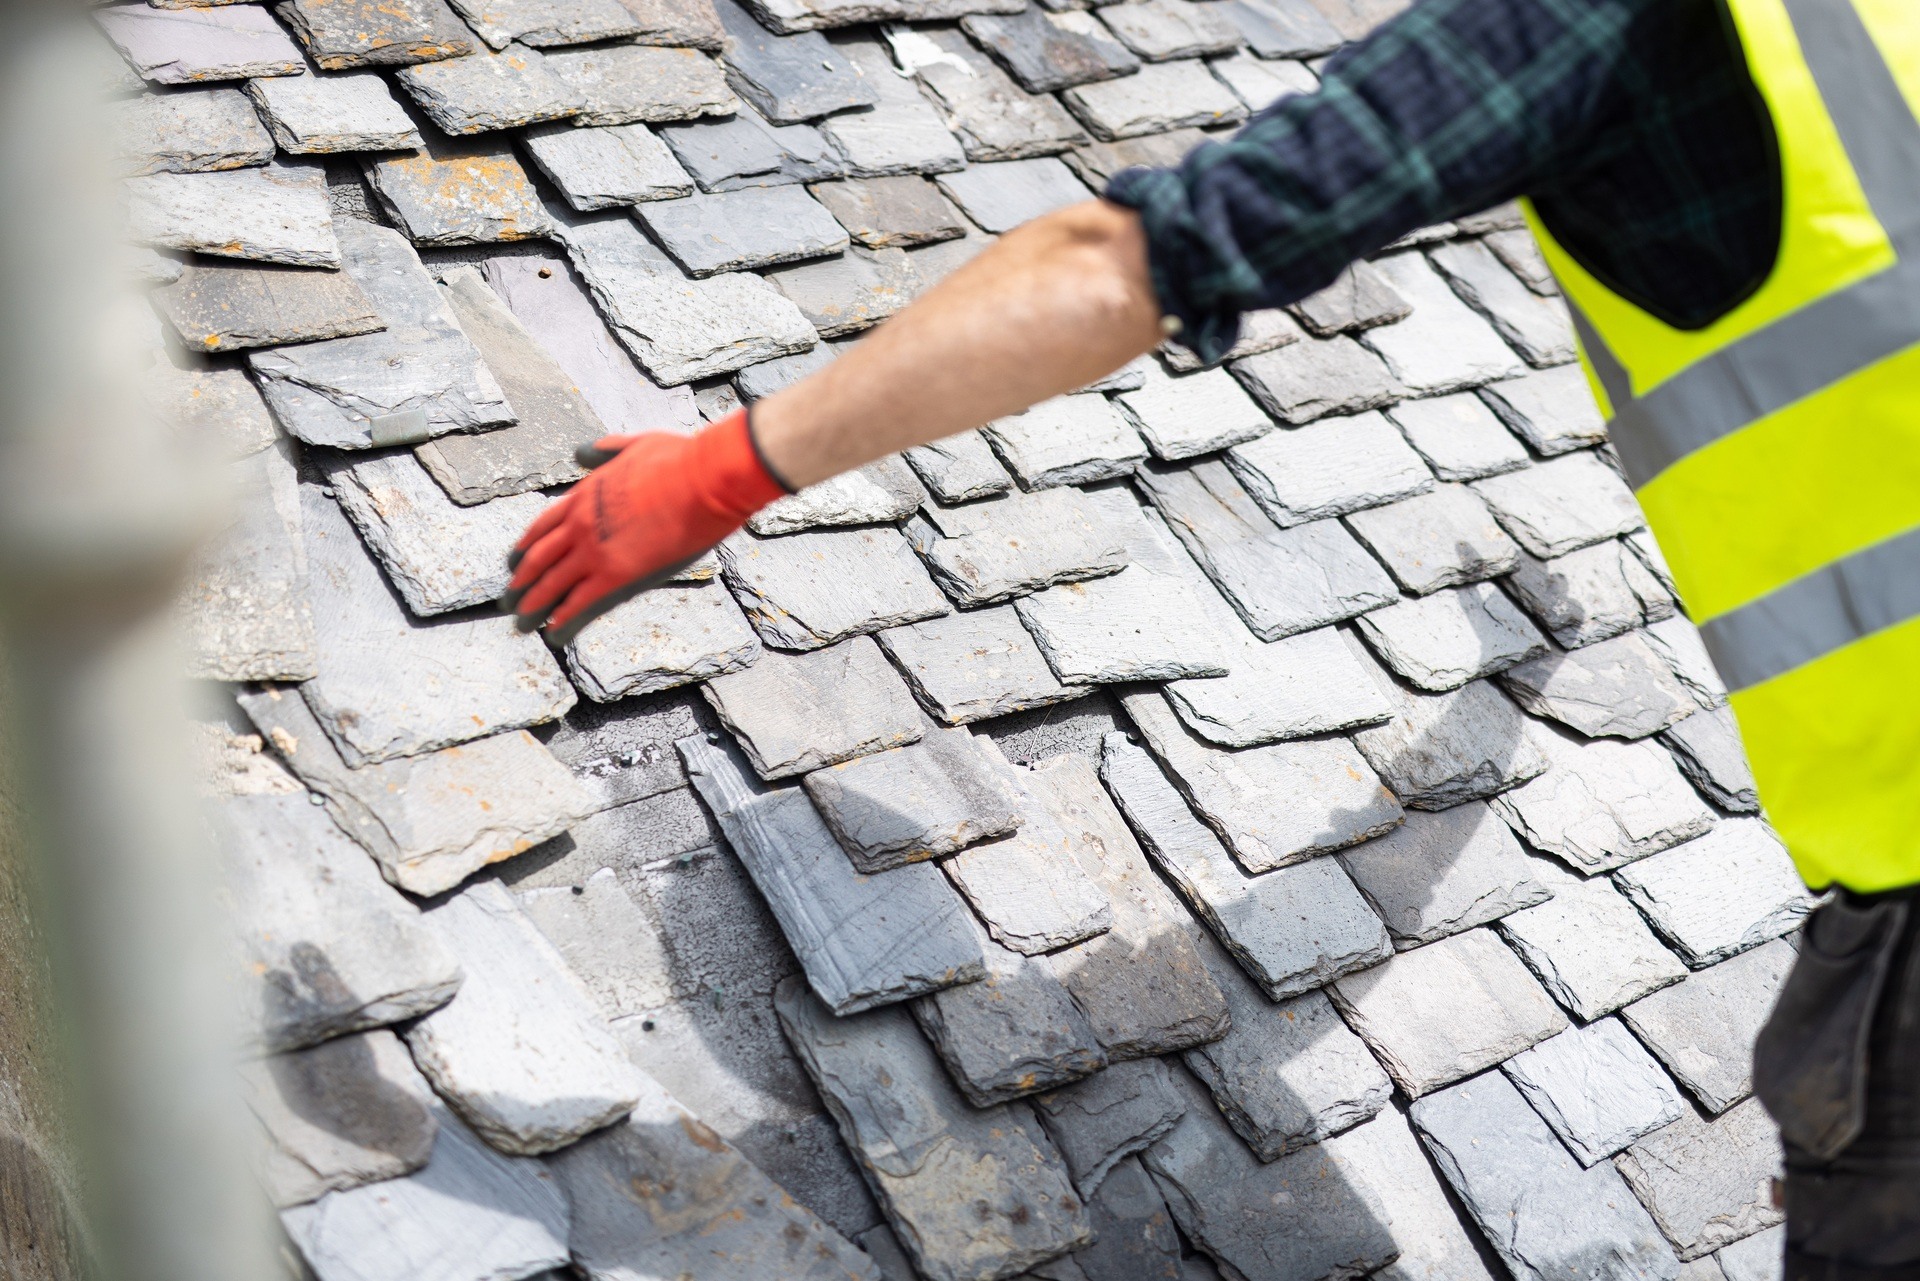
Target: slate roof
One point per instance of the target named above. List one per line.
(1263, 822)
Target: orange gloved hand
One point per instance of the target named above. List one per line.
(654, 503)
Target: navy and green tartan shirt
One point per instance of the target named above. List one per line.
(1632, 124)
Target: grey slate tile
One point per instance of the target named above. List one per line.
(902, 132)
(1069, 440)
(389, 686)
(1534, 325)
(883, 491)
(339, 37)
(192, 132)
(609, 167)
(1459, 436)
(1603, 804)
(854, 291)
(1708, 1182)
(544, 23)
(914, 1137)
(217, 306)
(1501, 217)
(1309, 683)
(1440, 750)
(218, 410)
(323, 946)
(1591, 949)
(974, 665)
(1442, 641)
(1552, 409)
(1597, 1087)
(796, 713)
(1616, 688)
(790, 78)
(752, 227)
(1161, 30)
(1200, 413)
(807, 590)
(471, 1214)
(663, 638)
(326, 114)
(1046, 52)
(1443, 345)
(1002, 195)
(1433, 1240)
(743, 150)
(277, 213)
(994, 118)
(489, 91)
(1134, 1236)
(1759, 1257)
(1159, 97)
(992, 551)
(1706, 746)
(1439, 874)
(1678, 641)
(625, 84)
(887, 213)
(1543, 1214)
(459, 193)
(611, 943)
(1362, 298)
(1590, 595)
(1099, 161)
(1099, 1122)
(678, 23)
(1516, 248)
(194, 46)
(1283, 28)
(1757, 894)
(924, 800)
(1443, 538)
(1330, 468)
(341, 1114)
(757, 382)
(1259, 82)
(1703, 1028)
(1562, 505)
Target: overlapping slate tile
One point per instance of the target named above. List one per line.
(901, 133)
(623, 84)
(1541, 1212)
(1516, 247)
(1046, 51)
(216, 306)
(988, 552)
(1309, 683)
(192, 132)
(1678, 641)
(1758, 895)
(277, 213)
(1002, 195)
(744, 150)
(1443, 345)
(795, 713)
(1440, 750)
(1284, 28)
(959, 468)
(924, 800)
(1707, 747)
(1442, 641)
(611, 942)
(324, 946)
(1099, 1123)
(608, 167)
(1591, 949)
(471, 1213)
(665, 637)
(680, 329)
(751, 227)
(1552, 410)
(1603, 804)
(1615, 688)
(1161, 30)
(1703, 1029)
(459, 193)
(974, 665)
(542, 23)
(1097, 162)
(1590, 595)
(1159, 97)
(995, 119)
(687, 24)
(1562, 505)
(326, 114)
(1069, 440)
(807, 590)
(1439, 874)
(1134, 1236)
(854, 291)
(935, 1164)
(489, 91)
(1329, 468)
(1198, 414)
(1760, 1257)
(789, 78)
(1534, 325)
(1260, 83)
(193, 46)
(1708, 1183)
(1597, 1087)
(1442, 538)
(396, 33)
(898, 212)
(1460, 438)
(757, 382)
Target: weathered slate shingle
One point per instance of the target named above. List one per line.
(1708, 1183)
(217, 306)
(607, 167)
(1069, 440)
(1597, 1087)
(1591, 949)
(459, 193)
(994, 118)
(1618, 688)
(395, 33)
(1703, 1029)
(1757, 897)
(1460, 437)
(485, 92)
(1552, 410)
(1159, 97)
(1100, 1122)
(665, 637)
(1443, 345)
(1562, 505)
(193, 46)
(1329, 469)
(796, 713)
(1707, 747)
(975, 664)
(1534, 325)
(1050, 51)
(804, 591)
(623, 84)
(1590, 595)
(789, 78)
(988, 552)
(277, 213)
(189, 133)
(1603, 804)
(1442, 641)
(542, 23)
(924, 800)
(1442, 538)
(744, 150)
(1439, 874)
(1161, 30)
(1442, 749)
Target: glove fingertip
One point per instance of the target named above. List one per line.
(592, 456)
(514, 558)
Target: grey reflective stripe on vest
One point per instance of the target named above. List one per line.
(1818, 613)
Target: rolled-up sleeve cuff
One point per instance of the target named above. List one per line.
(1179, 260)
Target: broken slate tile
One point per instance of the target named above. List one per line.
(1310, 683)
(1756, 896)
(935, 1164)
(459, 193)
(1617, 688)
(277, 213)
(1439, 874)
(1534, 325)
(1440, 750)
(341, 1114)
(1161, 30)
(543, 23)
(1460, 437)
(992, 551)
(429, 821)
(924, 800)
(1100, 1122)
(1283, 28)
(1443, 538)
(1591, 949)
(217, 306)
(1590, 595)
(1046, 52)
(743, 150)
(796, 713)
(325, 947)
(1543, 1214)
(1562, 505)
(605, 168)
(1703, 1028)
(854, 291)
(960, 468)
(193, 132)
(389, 686)
(665, 637)
(1069, 440)
(1002, 195)
(1159, 97)
(807, 590)
(1447, 1010)
(396, 33)
(1443, 345)
(789, 78)
(1707, 747)
(1329, 468)
(623, 84)
(1553, 410)
(886, 213)
(1603, 804)
(681, 329)
(1442, 641)
(194, 46)
(1708, 1183)
(1260, 83)
(974, 665)
(327, 114)
(1597, 1087)
(1201, 413)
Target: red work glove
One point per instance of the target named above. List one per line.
(653, 505)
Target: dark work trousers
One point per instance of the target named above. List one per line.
(1838, 1066)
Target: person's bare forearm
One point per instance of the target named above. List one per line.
(1053, 306)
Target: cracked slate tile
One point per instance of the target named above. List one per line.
(744, 150)
(1562, 505)
(1758, 896)
(217, 408)
(1443, 538)
(1200, 413)
(544, 23)
(1590, 595)
(1706, 745)
(521, 1052)
(935, 1164)
(393, 33)
(1310, 683)
(470, 1214)
(1708, 1183)
(975, 665)
(1301, 381)
(1002, 195)
(624, 84)
(1616, 688)
(1543, 1214)
(1443, 345)
(1274, 805)
(1159, 97)
(1362, 298)
(327, 114)
(1283, 28)
(429, 821)
(194, 132)
(790, 78)
(796, 713)
(1591, 949)
(390, 686)
(1460, 438)
(665, 637)
(609, 167)
(752, 227)
(624, 752)
(681, 329)
(1440, 874)
(344, 1113)
(611, 942)
(324, 946)
(1134, 1236)
(808, 590)
(1068, 440)
(194, 46)
(1099, 1122)
(1551, 409)
(925, 800)
(1703, 1028)
(459, 193)
(886, 213)
(1162, 30)
(1442, 641)
(988, 552)
(851, 292)
(884, 491)
(1603, 804)
(1535, 325)
(1259, 82)
(1517, 248)
(1441, 750)
(1291, 930)
(217, 306)
(1329, 468)
(1597, 1087)
(277, 213)
(1046, 52)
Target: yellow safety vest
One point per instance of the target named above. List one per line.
(1777, 450)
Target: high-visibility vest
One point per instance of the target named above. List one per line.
(1777, 450)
